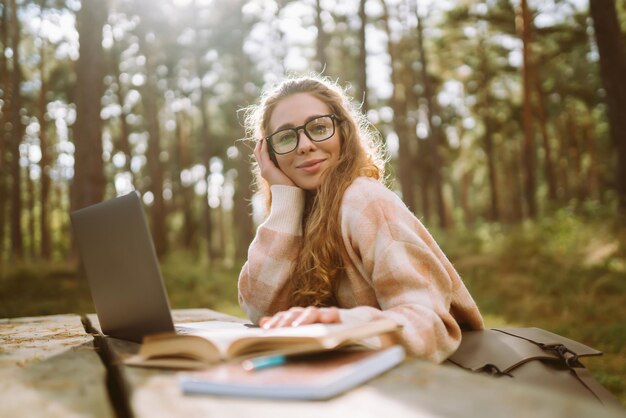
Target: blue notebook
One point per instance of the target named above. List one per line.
(311, 377)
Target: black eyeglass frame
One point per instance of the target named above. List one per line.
(336, 121)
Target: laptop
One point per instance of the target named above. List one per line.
(123, 272)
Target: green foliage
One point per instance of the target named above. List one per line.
(191, 283)
(43, 289)
(565, 273)
(46, 289)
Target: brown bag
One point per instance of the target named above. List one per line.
(532, 355)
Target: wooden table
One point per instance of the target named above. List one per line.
(53, 366)
(49, 368)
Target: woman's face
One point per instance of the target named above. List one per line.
(306, 164)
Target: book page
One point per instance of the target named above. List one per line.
(235, 342)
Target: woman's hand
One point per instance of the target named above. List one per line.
(269, 171)
(301, 316)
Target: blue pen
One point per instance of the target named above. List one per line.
(263, 362)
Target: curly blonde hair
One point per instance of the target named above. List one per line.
(321, 255)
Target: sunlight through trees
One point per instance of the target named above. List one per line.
(492, 111)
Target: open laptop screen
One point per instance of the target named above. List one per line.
(122, 268)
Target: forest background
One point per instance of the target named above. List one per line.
(504, 123)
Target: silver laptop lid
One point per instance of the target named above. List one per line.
(122, 268)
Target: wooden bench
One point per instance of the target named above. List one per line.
(74, 382)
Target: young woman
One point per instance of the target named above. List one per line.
(338, 245)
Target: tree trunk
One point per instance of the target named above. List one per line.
(45, 249)
(398, 104)
(574, 156)
(205, 138)
(543, 128)
(88, 182)
(320, 50)
(593, 177)
(609, 39)
(362, 63)
(186, 195)
(492, 173)
(5, 137)
(528, 151)
(514, 186)
(466, 181)
(243, 191)
(435, 132)
(424, 179)
(490, 129)
(242, 211)
(418, 168)
(206, 149)
(565, 181)
(30, 211)
(149, 98)
(123, 142)
(220, 220)
(17, 131)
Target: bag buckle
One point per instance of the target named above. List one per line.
(568, 356)
(493, 370)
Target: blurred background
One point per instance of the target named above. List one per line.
(504, 123)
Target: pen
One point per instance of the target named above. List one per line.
(263, 362)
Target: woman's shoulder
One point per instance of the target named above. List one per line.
(368, 204)
(366, 190)
(368, 193)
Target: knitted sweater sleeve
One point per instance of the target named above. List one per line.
(265, 274)
(413, 281)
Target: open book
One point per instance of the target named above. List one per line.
(305, 377)
(201, 349)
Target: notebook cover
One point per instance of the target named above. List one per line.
(311, 377)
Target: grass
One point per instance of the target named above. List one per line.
(43, 289)
(192, 283)
(565, 273)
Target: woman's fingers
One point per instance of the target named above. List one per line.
(258, 153)
(272, 321)
(280, 319)
(264, 321)
(309, 315)
(269, 171)
(286, 319)
(301, 316)
(329, 316)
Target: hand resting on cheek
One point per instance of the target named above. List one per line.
(269, 171)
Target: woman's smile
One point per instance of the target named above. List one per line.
(311, 166)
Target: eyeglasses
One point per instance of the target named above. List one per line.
(317, 130)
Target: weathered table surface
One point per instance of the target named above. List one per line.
(48, 367)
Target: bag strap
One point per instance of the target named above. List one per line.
(600, 392)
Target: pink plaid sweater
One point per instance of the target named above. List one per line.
(395, 269)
